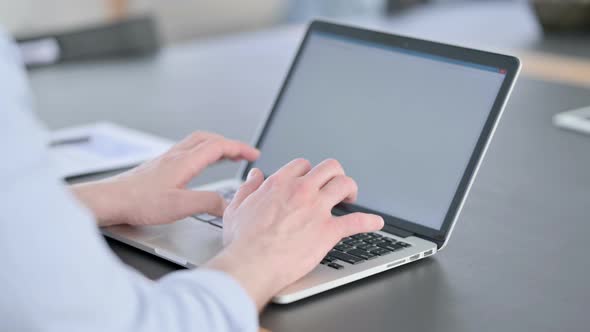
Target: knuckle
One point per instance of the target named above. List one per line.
(272, 181)
(302, 161)
(213, 145)
(344, 183)
(333, 163)
(196, 135)
(307, 164)
(213, 141)
(302, 193)
(351, 183)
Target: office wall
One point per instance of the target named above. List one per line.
(29, 16)
(178, 19)
(185, 19)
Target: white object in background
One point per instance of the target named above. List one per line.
(40, 52)
(102, 147)
(577, 120)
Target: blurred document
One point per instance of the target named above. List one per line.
(102, 147)
(40, 52)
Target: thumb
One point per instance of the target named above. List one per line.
(195, 202)
(356, 223)
(253, 182)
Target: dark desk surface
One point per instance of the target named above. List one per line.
(517, 260)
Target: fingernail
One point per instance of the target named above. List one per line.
(252, 173)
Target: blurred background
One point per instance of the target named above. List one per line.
(179, 20)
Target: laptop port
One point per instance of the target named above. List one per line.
(429, 252)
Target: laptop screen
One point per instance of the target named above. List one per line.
(403, 124)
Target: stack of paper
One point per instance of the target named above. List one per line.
(102, 147)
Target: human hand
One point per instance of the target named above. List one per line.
(155, 193)
(278, 230)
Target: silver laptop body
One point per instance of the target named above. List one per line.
(193, 241)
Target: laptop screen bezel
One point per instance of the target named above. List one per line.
(508, 64)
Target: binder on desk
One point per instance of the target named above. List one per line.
(130, 37)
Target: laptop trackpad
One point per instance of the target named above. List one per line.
(189, 239)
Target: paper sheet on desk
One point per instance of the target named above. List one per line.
(109, 147)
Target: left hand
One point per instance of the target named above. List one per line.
(155, 192)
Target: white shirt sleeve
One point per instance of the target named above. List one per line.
(57, 273)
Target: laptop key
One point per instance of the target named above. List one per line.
(380, 251)
(374, 240)
(350, 259)
(343, 247)
(362, 254)
(353, 242)
(335, 266)
(389, 246)
(361, 236)
(366, 246)
(398, 246)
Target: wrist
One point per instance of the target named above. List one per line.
(105, 199)
(252, 272)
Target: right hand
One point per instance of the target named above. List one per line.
(278, 230)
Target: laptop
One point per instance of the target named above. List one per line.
(409, 120)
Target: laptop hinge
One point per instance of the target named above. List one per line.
(396, 231)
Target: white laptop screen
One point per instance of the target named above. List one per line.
(403, 124)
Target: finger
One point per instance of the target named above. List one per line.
(214, 150)
(340, 188)
(356, 223)
(295, 168)
(190, 202)
(324, 172)
(250, 153)
(253, 181)
(195, 139)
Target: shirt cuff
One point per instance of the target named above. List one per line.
(240, 306)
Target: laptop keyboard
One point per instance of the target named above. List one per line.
(352, 250)
(360, 248)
